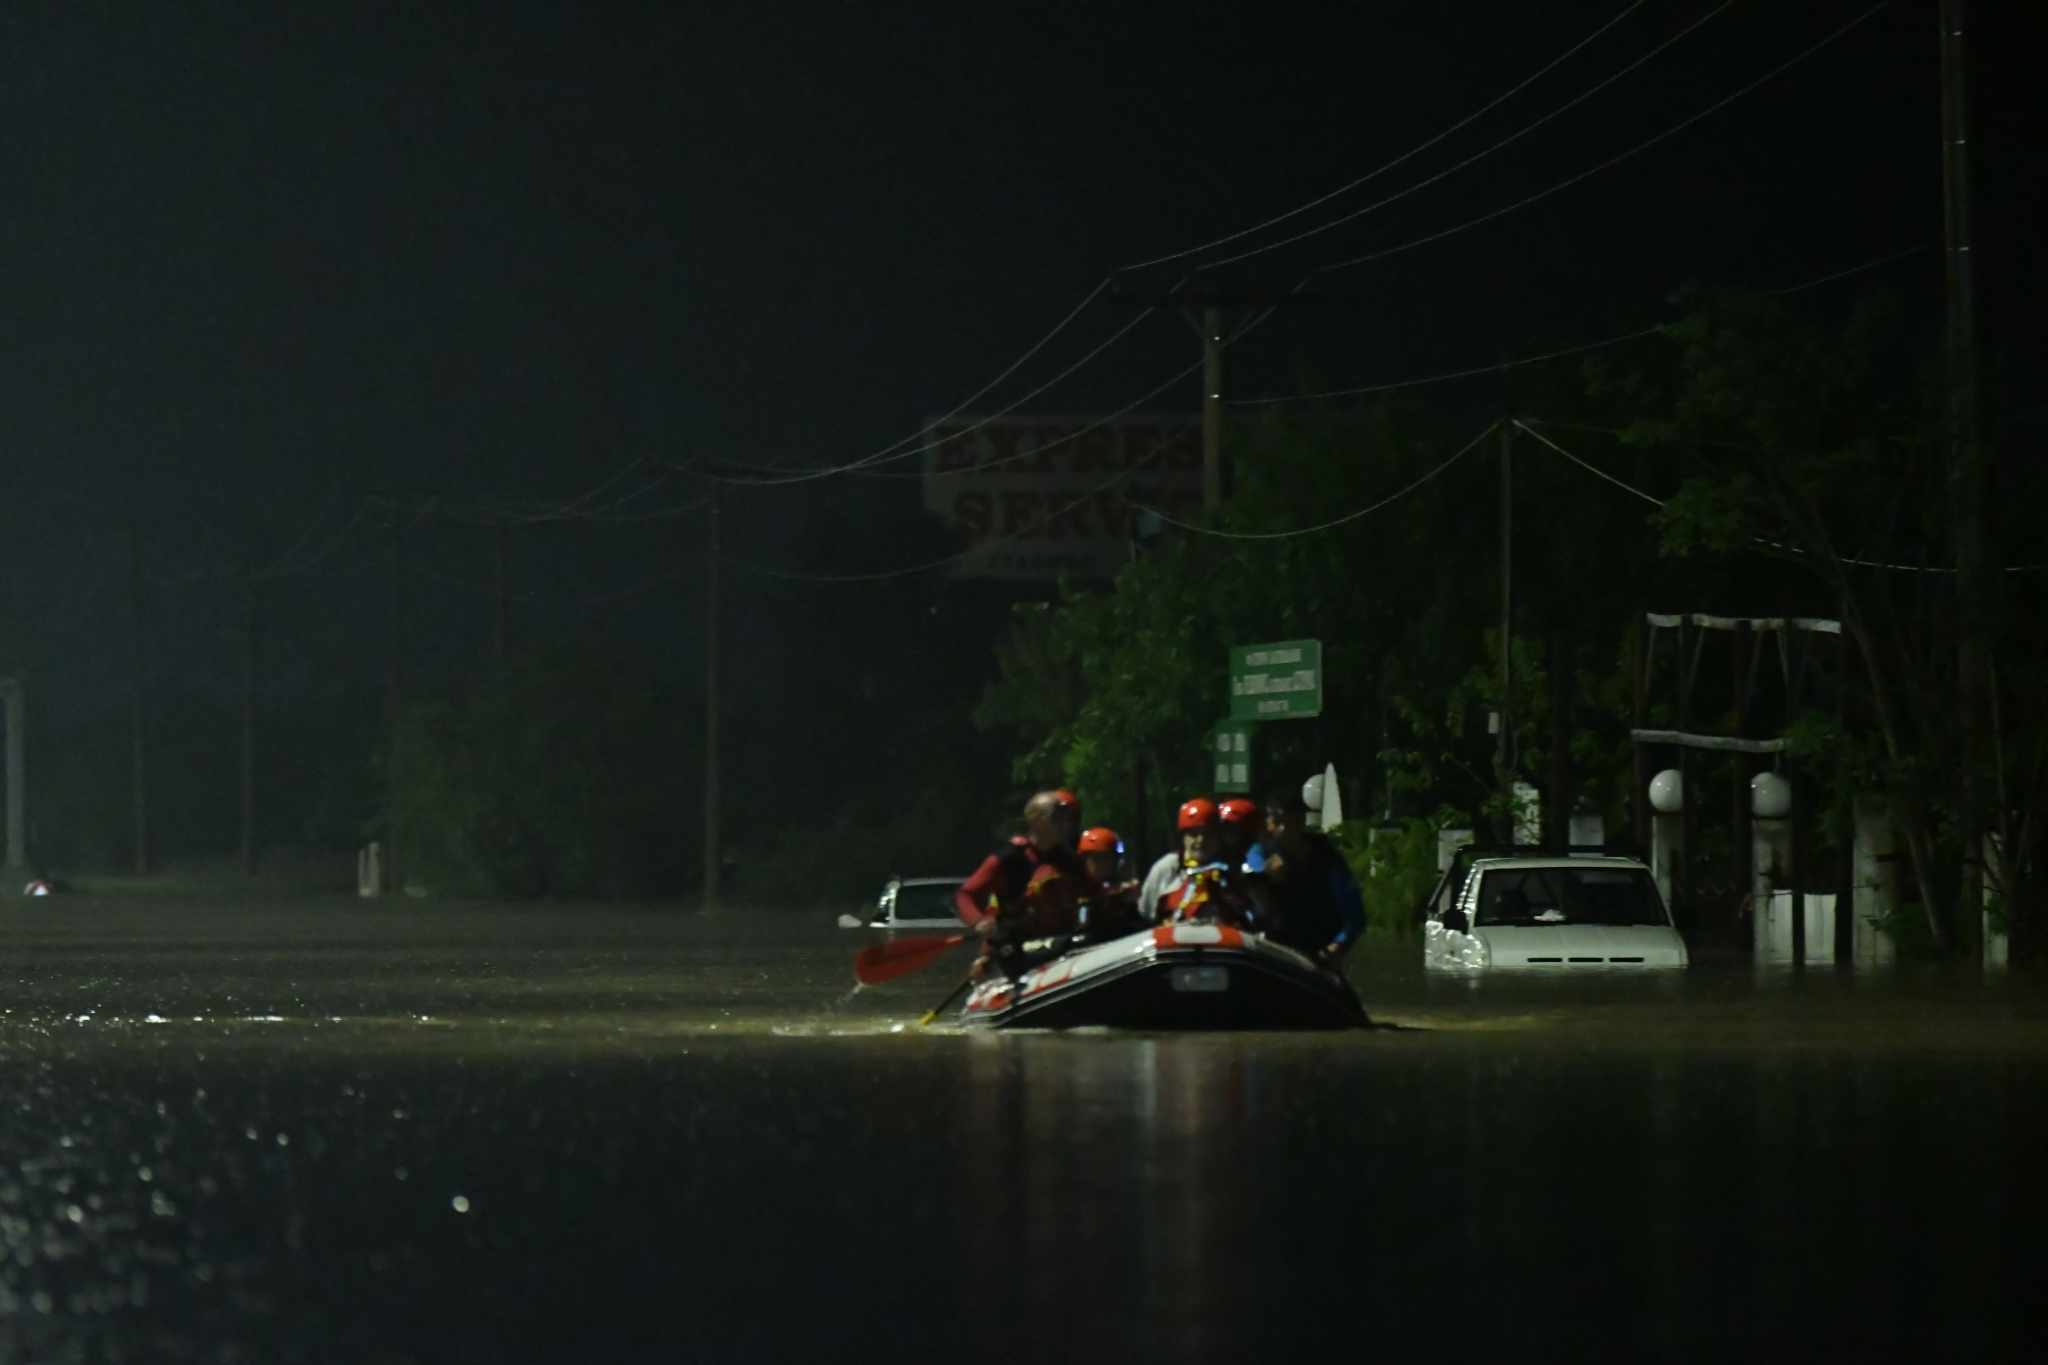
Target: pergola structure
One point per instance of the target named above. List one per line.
(1794, 641)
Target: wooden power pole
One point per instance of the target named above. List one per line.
(711, 612)
(1968, 471)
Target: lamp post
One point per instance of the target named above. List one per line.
(1667, 832)
(1770, 863)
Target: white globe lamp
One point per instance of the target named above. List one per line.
(1667, 792)
(1770, 796)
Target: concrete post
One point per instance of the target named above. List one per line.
(1992, 936)
(1874, 883)
(17, 782)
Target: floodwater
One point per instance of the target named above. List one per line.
(415, 1132)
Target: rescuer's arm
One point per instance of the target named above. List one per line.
(971, 901)
(1350, 909)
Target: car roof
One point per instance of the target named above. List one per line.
(1557, 860)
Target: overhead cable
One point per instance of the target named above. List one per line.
(1455, 167)
(1612, 161)
(1773, 545)
(1499, 366)
(890, 451)
(1390, 499)
(1406, 156)
(767, 571)
(1041, 448)
(865, 466)
(1447, 375)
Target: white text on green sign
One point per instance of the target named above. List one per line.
(1276, 681)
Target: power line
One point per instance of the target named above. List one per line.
(1589, 468)
(1448, 375)
(889, 451)
(1852, 270)
(1412, 152)
(1773, 545)
(1612, 161)
(1454, 168)
(1499, 366)
(1391, 498)
(865, 466)
(767, 571)
(1040, 449)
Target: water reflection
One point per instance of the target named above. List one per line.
(455, 1127)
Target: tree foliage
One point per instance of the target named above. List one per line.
(564, 775)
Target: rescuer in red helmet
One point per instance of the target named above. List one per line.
(1109, 904)
(1196, 823)
(1238, 826)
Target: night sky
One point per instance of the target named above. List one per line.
(262, 263)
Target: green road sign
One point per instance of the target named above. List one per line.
(1230, 754)
(1280, 681)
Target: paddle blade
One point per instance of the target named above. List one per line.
(879, 962)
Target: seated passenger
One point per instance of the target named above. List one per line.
(1196, 822)
(1213, 885)
(1109, 904)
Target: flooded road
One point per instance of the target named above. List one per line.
(353, 1132)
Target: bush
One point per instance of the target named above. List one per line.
(1396, 868)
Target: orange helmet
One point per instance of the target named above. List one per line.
(1239, 810)
(1101, 839)
(1199, 813)
(1063, 797)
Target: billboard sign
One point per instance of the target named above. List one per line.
(1035, 498)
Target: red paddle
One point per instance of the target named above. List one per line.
(879, 962)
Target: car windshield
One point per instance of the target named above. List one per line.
(925, 900)
(1569, 895)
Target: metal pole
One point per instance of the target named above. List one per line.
(711, 852)
(137, 712)
(1798, 860)
(1507, 609)
(1212, 408)
(499, 635)
(249, 731)
(17, 785)
(395, 696)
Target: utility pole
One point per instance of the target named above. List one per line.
(1505, 762)
(499, 633)
(1969, 472)
(1212, 407)
(711, 603)
(1211, 301)
(13, 691)
(249, 618)
(393, 867)
(137, 708)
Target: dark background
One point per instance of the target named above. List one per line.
(280, 285)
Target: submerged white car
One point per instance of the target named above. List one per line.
(1491, 913)
(911, 903)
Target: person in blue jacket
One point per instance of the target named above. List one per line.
(1316, 900)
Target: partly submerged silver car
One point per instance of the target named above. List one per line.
(911, 903)
(1548, 911)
